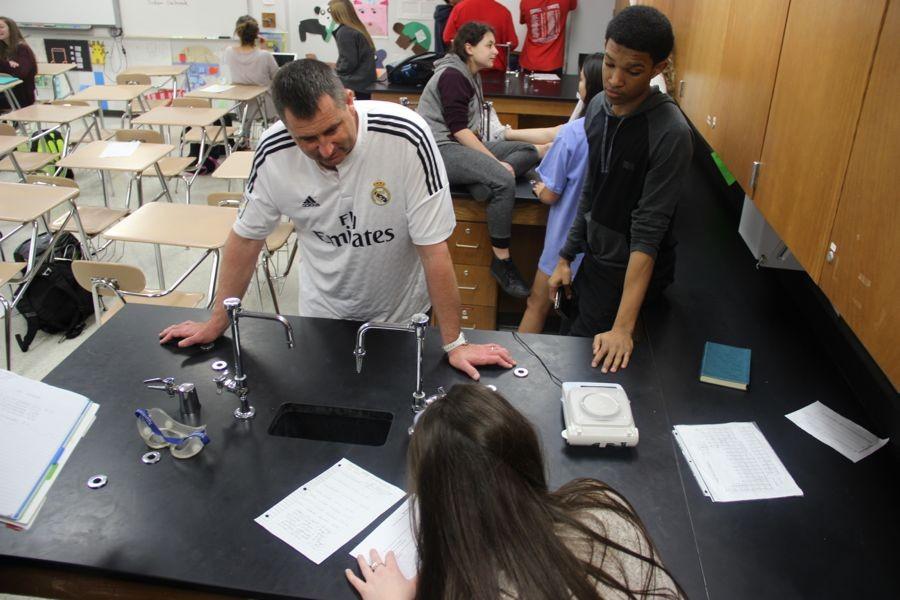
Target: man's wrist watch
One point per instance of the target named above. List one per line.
(460, 341)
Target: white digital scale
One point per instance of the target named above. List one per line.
(597, 414)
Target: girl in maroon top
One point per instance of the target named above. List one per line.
(16, 59)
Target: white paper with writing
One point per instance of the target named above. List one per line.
(733, 462)
(834, 430)
(120, 149)
(324, 514)
(394, 534)
(216, 88)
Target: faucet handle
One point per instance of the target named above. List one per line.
(221, 381)
(168, 384)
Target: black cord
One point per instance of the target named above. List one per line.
(528, 349)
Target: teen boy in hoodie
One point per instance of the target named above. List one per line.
(639, 151)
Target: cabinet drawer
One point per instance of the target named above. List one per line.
(470, 244)
(477, 317)
(476, 285)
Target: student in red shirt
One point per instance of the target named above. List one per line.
(545, 36)
(485, 11)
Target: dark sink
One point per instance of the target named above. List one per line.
(332, 424)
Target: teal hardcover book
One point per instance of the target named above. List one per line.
(4, 79)
(725, 365)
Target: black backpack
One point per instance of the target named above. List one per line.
(54, 302)
(415, 70)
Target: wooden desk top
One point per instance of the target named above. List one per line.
(236, 92)
(54, 68)
(8, 143)
(156, 71)
(181, 116)
(24, 202)
(9, 85)
(110, 92)
(236, 166)
(190, 225)
(87, 156)
(49, 113)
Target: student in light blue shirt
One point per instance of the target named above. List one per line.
(562, 172)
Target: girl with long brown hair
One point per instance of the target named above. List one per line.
(17, 59)
(249, 65)
(489, 528)
(356, 50)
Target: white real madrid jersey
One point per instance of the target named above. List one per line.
(357, 225)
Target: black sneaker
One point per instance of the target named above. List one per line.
(511, 282)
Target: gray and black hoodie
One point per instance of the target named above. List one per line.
(637, 168)
(448, 93)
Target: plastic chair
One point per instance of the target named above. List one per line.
(127, 284)
(29, 162)
(171, 166)
(275, 241)
(94, 219)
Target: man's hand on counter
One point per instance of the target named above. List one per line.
(468, 356)
(191, 332)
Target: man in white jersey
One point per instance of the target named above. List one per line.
(365, 186)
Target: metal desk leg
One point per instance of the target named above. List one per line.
(161, 278)
(140, 188)
(165, 184)
(214, 276)
(17, 167)
(87, 249)
(7, 317)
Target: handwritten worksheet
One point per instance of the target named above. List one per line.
(733, 462)
(324, 514)
(394, 534)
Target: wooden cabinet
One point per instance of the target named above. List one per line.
(863, 278)
(740, 107)
(470, 249)
(822, 74)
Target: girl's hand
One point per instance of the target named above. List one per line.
(381, 580)
(14, 64)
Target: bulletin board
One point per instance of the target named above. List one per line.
(195, 19)
(82, 13)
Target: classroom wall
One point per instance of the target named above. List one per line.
(109, 55)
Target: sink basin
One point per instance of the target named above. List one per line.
(332, 424)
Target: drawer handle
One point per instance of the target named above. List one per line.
(472, 327)
(469, 288)
(468, 246)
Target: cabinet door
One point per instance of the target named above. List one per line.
(822, 75)
(700, 28)
(746, 81)
(863, 280)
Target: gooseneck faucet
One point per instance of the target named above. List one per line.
(417, 325)
(237, 384)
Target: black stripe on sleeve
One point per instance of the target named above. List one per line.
(263, 148)
(261, 158)
(425, 148)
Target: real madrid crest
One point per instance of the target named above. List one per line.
(380, 194)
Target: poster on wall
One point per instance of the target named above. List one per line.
(69, 51)
(417, 9)
(203, 65)
(374, 15)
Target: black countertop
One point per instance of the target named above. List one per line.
(191, 523)
(498, 85)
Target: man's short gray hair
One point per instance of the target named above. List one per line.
(300, 84)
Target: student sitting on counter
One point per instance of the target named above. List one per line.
(488, 526)
(451, 104)
(372, 232)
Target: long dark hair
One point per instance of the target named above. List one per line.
(487, 522)
(592, 67)
(470, 33)
(8, 48)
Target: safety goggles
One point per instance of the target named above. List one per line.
(159, 430)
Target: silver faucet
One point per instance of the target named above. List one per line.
(237, 384)
(417, 325)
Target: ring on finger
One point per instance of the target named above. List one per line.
(375, 565)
